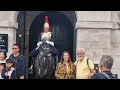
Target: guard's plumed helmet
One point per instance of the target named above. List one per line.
(47, 35)
(46, 24)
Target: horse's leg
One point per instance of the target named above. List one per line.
(53, 74)
(51, 67)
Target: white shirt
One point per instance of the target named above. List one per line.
(0, 76)
(10, 72)
(2, 61)
(46, 36)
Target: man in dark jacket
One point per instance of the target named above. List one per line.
(106, 64)
(18, 62)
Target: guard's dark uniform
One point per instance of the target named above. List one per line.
(45, 37)
(35, 52)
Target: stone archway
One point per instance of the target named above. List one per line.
(61, 27)
(25, 19)
(29, 16)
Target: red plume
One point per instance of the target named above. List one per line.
(46, 19)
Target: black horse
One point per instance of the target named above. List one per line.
(45, 61)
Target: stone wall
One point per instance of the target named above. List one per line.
(98, 32)
(115, 50)
(8, 26)
(96, 42)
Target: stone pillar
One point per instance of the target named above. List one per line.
(115, 42)
(115, 51)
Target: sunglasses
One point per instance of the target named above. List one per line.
(14, 48)
(80, 53)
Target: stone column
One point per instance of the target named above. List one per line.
(115, 42)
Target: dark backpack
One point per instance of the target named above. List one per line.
(108, 77)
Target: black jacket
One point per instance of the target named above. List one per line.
(6, 70)
(19, 64)
(35, 52)
(101, 76)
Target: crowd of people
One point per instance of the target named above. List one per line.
(83, 68)
(14, 67)
(80, 69)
